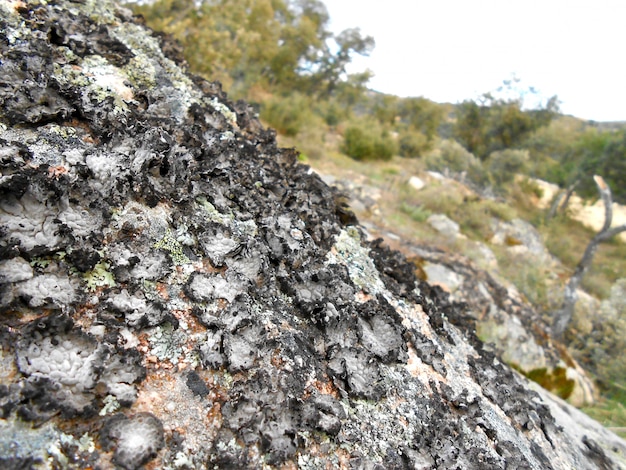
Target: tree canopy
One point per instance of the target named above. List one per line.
(269, 44)
(497, 121)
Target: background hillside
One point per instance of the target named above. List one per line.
(281, 56)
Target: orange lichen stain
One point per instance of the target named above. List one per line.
(289, 465)
(417, 368)
(192, 325)
(327, 388)
(56, 171)
(18, 5)
(276, 360)
(214, 415)
(161, 289)
(361, 297)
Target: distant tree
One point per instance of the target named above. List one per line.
(422, 115)
(277, 44)
(385, 108)
(604, 154)
(498, 120)
(366, 139)
(471, 126)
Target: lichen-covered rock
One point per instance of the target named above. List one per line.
(177, 291)
(513, 329)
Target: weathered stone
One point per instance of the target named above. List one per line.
(198, 299)
(444, 225)
(416, 183)
(521, 238)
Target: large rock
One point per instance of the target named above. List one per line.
(178, 291)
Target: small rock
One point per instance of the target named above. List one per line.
(416, 183)
(444, 225)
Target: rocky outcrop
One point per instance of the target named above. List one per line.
(177, 291)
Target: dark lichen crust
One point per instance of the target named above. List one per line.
(177, 291)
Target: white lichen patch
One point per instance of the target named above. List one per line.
(349, 252)
(138, 217)
(137, 438)
(213, 214)
(29, 221)
(80, 221)
(206, 288)
(99, 80)
(105, 168)
(15, 270)
(46, 289)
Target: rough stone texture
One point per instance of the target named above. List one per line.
(444, 225)
(513, 329)
(178, 292)
(521, 238)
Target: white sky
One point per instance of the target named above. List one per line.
(451, 50)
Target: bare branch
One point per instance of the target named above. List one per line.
(605, 194)
(563, 316)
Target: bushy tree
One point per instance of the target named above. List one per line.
(365, 139)
(422, 115)
(451, 156)
(413, 144)
(498, 121)
(604, 154)
(288, 114)
(275, 44)
(505, 164)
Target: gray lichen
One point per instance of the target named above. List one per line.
(175, 284)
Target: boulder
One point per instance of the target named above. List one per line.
(178, 292)
(521, 238)
(444, 225)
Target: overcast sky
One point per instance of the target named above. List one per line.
(451, 50)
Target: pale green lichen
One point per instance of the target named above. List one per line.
(227, 135)
(40, 263)
(84, 444)
(224, 110)
(240, 229)
(141, 73)
(57, 459)
(170, 244)
(150, 60)
(111, 405)
(99, 276)
(213, 214)
(348, 251)
(167, 343)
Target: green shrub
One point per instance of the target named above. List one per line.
(413, 144)
(530, 187)
(452, 156)
(366, 140)
(505, 164)
(417, 213)
(288, 114)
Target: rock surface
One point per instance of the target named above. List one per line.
(178, 292)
